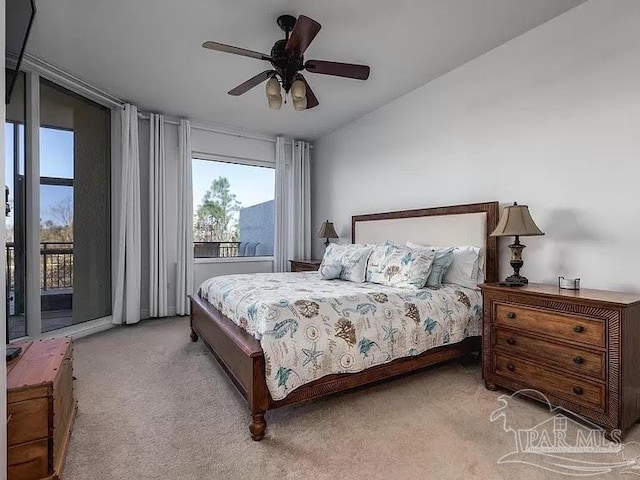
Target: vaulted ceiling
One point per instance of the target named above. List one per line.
(149, 51)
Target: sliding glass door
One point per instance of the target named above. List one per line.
(75, 217)
(15, 252)
(59, 222)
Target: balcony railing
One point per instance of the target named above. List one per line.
(216, 249)
(56, 265)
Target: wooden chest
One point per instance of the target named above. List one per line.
(578, 348)
(40, 408)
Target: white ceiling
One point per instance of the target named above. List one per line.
(149, 52)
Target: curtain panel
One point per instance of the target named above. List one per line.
(292, 204)
(126, 302)
(184, 269)
(158, 302)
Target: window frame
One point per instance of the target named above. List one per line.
(249, 162)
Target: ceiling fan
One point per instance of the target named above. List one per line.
(287, 61)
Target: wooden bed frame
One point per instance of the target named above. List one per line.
(242, 358)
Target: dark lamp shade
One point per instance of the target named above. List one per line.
(327, 231)
(516, 220)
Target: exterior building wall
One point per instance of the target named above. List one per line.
(257, 229)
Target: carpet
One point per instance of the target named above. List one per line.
(154, 405)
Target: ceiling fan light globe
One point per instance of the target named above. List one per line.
(299, 104)
(298, 90)
(273, 88)
(275, 103)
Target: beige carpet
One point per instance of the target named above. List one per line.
(154, 405)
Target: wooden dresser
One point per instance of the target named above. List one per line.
(40, 408)
(305, 265)
(581, 349)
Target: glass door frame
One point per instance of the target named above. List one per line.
(32, 183)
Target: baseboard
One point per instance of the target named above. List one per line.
(145, 314)
(81, 329)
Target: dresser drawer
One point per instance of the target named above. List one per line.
(565, 327)
(570, 358)
(570, 388)
(305, 266)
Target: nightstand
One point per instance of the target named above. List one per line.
(577, 347)
(305, 265)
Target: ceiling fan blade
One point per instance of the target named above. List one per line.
(252, 82)
(348, 70)
(312, 101)
(221, 47)
(304, 31)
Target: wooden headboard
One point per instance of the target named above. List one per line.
(447, 226)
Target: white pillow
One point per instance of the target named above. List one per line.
(330, 271)
(333, 254)
(354, 263)
(467, 267)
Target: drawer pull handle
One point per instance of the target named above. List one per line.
(511, 367)
(511, 315)
(578, 359)
(578, 329)
(577, 390)
(511, 341)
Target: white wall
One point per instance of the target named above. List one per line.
(207, 269)
(550, 119)
(212, 143)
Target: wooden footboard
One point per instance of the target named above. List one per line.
(242, 358)
(239, 354)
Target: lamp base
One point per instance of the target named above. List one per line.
(515, 281)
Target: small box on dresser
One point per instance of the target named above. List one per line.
(581, 348)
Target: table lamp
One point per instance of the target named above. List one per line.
(516, 220)
(327, 231)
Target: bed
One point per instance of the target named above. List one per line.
(239, 351)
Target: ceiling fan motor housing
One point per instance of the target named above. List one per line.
(286, 64)
(286, 22)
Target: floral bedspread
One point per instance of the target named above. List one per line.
(309, 327)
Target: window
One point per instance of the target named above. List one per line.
(233, 209)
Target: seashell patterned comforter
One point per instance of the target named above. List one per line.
(309, 327)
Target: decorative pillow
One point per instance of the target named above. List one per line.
(376, 261)
(441, 262)
(354, 263)
(333, 254)
(330, 271)
(407, 267)
(465, 267)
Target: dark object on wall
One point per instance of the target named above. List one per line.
(287, 60)
(19, 19)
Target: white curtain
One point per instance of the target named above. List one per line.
(126, 303)
(158, 304)
(293, 203)
(184, 270)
